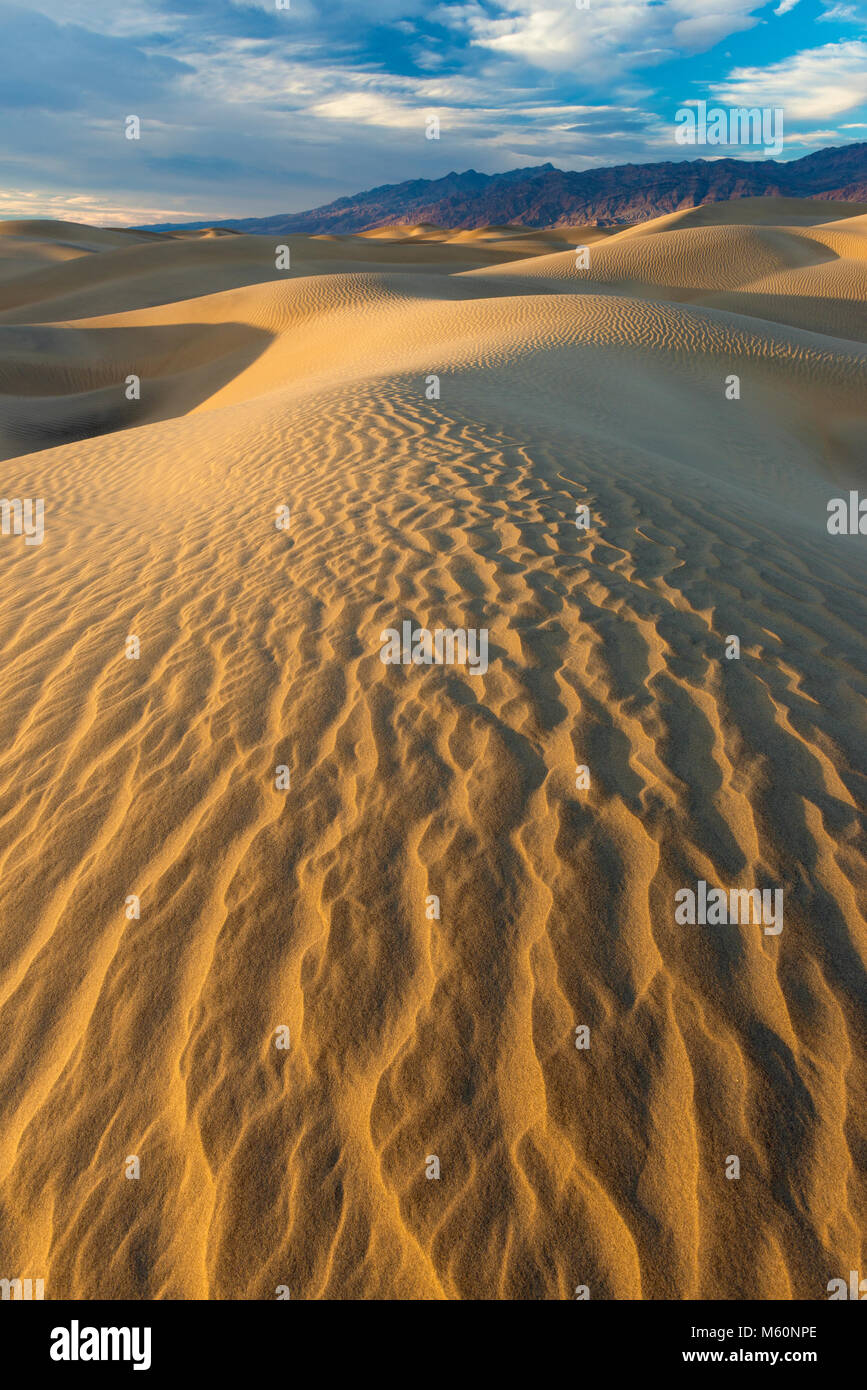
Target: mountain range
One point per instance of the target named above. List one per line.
(544, 196)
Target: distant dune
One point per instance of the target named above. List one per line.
(433, 905)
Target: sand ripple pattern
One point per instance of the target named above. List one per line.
(305, 908)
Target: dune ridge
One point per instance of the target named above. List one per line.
(307, 908)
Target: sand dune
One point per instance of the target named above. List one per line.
(752, 212)
(308, 908)
(27, 247)
(809, 275)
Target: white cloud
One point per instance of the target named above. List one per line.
(369, 108)
(111, 16)
(812, 138)
(841, 14)
(811, 85)
(609, 38)
(23, 204)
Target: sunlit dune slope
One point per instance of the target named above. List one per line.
(433, 906)
(812, 275)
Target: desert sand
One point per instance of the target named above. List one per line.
(308, 907)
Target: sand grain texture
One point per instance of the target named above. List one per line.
(305, 908)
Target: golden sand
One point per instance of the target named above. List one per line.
(308, 907)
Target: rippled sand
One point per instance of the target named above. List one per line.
(307, 908)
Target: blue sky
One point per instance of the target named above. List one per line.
(247, 110)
